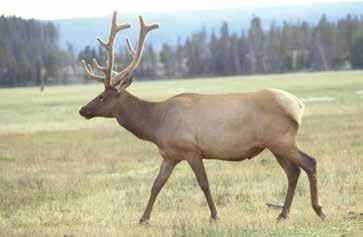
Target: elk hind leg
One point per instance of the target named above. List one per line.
(287, 149)
(292, 172)
(308, 164)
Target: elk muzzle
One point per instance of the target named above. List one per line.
(85, 112)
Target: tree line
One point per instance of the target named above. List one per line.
(290, 47)
(30, 54)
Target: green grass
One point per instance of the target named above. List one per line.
(61, 174)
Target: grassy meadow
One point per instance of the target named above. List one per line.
(63, 175)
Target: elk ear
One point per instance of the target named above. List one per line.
(125, 83)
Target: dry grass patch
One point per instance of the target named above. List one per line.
(60, 174)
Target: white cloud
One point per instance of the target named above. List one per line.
(47, 9)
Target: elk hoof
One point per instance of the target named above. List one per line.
(322, 216)
(213, 219)
(281, 217)
(144, 221)
(319, 212)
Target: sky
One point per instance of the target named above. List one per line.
(65, 9)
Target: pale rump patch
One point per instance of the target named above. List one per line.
(318, 99)
(291, 104)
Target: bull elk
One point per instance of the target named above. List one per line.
(193, 127)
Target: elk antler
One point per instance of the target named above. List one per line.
(124, 78)
(107, 70)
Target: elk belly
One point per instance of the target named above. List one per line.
(242, 155)
(232, 147)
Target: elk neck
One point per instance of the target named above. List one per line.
(140, 117)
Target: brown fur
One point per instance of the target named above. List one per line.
(230, 127)
(193, 127)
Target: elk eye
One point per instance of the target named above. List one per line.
(100, 98)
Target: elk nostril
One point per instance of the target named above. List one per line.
(83, 111)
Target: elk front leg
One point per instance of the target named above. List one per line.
(196, 163)
(166, 169)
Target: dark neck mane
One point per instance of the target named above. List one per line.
(138, 116)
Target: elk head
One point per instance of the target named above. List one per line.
(115, 83)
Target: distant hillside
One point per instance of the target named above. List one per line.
(82, 32)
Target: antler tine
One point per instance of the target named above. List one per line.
(131, 50)
(107, 70)
(89, 72)
(115, 28)
(97, 66)
(105, 45)
(144, 29)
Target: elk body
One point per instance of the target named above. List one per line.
(193, 127)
